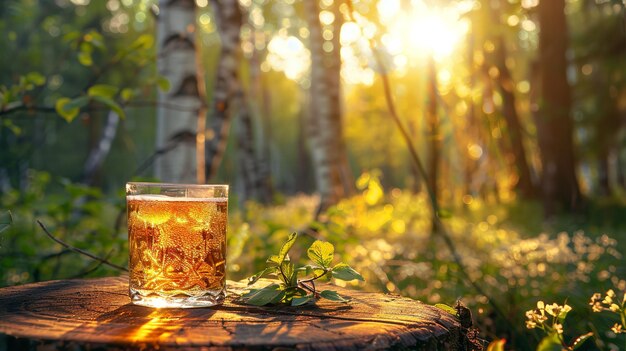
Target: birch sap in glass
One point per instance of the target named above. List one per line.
(177, 244)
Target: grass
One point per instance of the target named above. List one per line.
(515, 256)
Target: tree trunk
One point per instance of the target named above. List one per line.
(260, 92)
(434, 138)
(245, 153)
(472, 124)
(176, 61)
(96, 314)
(604, 185)
(324, 130)
(506, 86)
(333, 75)
(98, 154)
(554, 124)
(304, 181)
(621, 166)
(229, 19)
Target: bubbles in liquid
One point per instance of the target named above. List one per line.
(154, 213)
(177, 244)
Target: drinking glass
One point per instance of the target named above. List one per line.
(177, 244)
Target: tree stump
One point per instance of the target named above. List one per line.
(97, 314)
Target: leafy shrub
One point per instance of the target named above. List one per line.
(79, 215)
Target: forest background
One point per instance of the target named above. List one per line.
(344, 120)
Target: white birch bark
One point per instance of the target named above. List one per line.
(176, 61)
(98, 154)
(228, 16)
(324, 130)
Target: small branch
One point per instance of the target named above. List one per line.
(167, 105)
(92, 269)
(23, 107)
(315, 277)
(312, 281)
(50, 109)
(280, 268)
(80, 251)
(312, 290)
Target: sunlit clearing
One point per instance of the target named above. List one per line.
(287, 54)
(423, 30)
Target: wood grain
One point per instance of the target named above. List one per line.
(96, 313)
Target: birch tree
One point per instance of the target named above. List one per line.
(178, 108)
(325, 131)
(228, 17)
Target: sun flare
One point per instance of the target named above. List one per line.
(409, 31)
(421, 29)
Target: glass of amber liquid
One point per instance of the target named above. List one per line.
(177, 244)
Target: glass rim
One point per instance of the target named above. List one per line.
(178, 185)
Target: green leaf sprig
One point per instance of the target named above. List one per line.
(296, 286)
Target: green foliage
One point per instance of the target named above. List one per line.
(77, 214)
(6, 219)
(386, 237)
(69, 108)
(333, 296)
(344, 272)
(102, 90)
(294, 291)
(321, 253)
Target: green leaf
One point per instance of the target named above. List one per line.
(66, 113)
(290, 272)
(287, 246)
(264, 296)
(274, 261)
(78, 102)
(299, 301)
(345, 272)
(163, 83)
(321, 253)
(312, 270)
(85, 58)
(333, 296)
(84, 55)
(294, 291)
(36, 78)
(5, 221)
(278, 298)
(127, 94)
(581, 340)
(104, 90)
(15, 129)
(145, 41)
(253, 279)
(110, 103)
(94, 38)
(71, 36)
(68, 109)
(550, 343)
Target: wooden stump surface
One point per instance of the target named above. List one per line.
(96, 313)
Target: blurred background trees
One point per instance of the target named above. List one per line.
(501, 107)
(517, 107)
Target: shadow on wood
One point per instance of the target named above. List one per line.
(97, 314)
